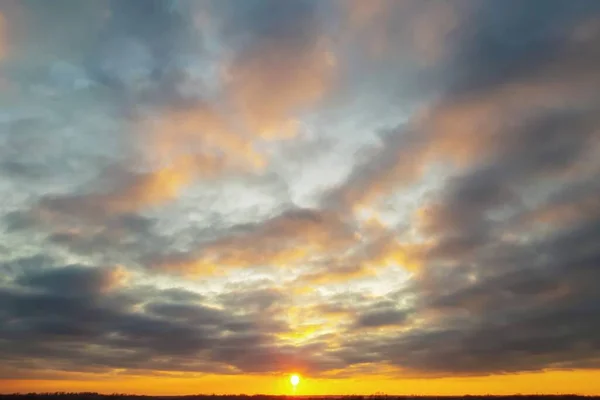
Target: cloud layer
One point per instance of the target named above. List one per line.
(320, 186)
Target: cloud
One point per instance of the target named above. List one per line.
(75, 279)
(574, 203)
(290, 52)
(289, 238)
(421, 31)
(303, 78)
(182, 146)
(320, 244)
(380, 317)
(141, 49)
(256, 299)
(84, 227)
(336, 275)
(488, 285)
(178, 141)
(68, 321)
(222, 193)
(523, 311)
(3, 37)
(467, 124)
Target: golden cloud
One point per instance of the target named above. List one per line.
(114, 277)
(185, 144)
(270, 85)
(201, 131)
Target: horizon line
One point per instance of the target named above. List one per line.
(371, 396)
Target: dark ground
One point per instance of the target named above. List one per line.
(96, 396)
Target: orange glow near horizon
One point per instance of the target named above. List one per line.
(583, 382)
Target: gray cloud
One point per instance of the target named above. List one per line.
(380, 317)
(68, 320)
(142, 46)
(71, 280)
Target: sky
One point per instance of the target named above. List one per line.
(205, 196)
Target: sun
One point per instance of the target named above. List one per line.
(294, 380)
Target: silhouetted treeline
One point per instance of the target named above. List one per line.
(119, 396)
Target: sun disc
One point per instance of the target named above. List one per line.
(294, 380)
